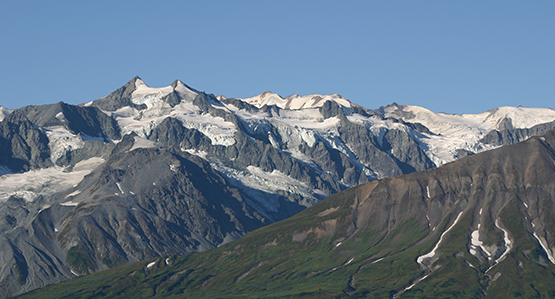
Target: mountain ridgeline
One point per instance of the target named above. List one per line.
(149, 172)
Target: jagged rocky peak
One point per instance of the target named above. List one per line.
(151, 96)
(138, 95)
(294, 102)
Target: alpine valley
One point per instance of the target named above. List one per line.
(411, 203)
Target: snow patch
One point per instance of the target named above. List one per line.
(44, 208)
(505, 239)
(142, 143)
(61, 117)
(475, 243)
(254, 180)
(150, 265)
(61, 141)
(119, 187)
(73, 193)
(4, 112)
(432, 253)
(46, 181)
(196, 152)
(544, 245)
(412, 285)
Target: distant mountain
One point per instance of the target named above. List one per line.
(146, 172)
(480, 227)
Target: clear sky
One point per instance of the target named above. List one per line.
(450, 56)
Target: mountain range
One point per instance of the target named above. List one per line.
(479, 227)
(149, 172)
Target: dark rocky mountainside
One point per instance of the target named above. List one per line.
(480, 227)
(179, 204)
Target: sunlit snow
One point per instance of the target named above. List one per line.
(60, 141)
(273, 182)
(143, 122)
(544, 245)
(4, 112)
(453, 131)
(30, 184)
(295, 101)
(142, 143)
(432, 253)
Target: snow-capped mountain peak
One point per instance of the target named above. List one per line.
(145, 94)
(521, 117)
(442, 123)
(4, 112)
(184, 90)
(295, 102)
(454, 132)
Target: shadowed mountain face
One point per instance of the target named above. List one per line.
(147, 172)
(480, 227)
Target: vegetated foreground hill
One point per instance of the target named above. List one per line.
(146, 172)
(483, 226)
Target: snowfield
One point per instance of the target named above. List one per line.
(452, 132)
(300, 121)
(143, 122)
(4, 112)
(46, 181)
(295, 102)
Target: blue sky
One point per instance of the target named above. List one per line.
(450, 56)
